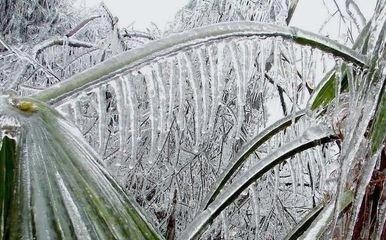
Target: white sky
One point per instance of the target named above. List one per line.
(309, 15)
(143, 12)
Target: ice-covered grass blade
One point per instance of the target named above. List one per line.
(59, 189)
(378, 133)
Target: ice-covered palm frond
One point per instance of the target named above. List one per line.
(179, 109)
(52, 187)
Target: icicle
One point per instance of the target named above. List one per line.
(132, 104)
(225, 233)
(256, 209)
(153, 114)
(293, 176)
(250, 49)
(218, 83)
(64, 50)
(101, 109)
(214, 90)
(277, 181)
(205, 90)
(172, 82)
(220, 65)
(240, 81)
(162, 105)
(322, 167)
(262, 60)
(117, 87)
(181, 95)
(312, 172)
(77, 112)
(276, 59)
(197, 113)
(338, 82)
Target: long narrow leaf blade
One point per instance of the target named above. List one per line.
(7, 173)
(378, 133)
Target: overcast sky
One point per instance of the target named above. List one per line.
(143, 12)
(309, 15)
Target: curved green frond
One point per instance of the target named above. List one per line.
(177, 42)
(243, 154)
(57, 190)
(311, 137)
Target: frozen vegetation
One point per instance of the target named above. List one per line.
(230, 124)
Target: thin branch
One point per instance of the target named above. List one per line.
(358, 22)
(291, 10)
(80, 26)
(60, 41)
(113, 20)
(137, 34)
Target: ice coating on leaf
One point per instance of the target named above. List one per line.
(61, 186)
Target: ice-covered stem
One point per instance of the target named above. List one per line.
(137, 34)
(356, 16)
(80, 26)
(60, 41)
(291, 10)
(113, 20)
(184, 40)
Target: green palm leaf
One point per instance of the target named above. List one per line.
(52, 185)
